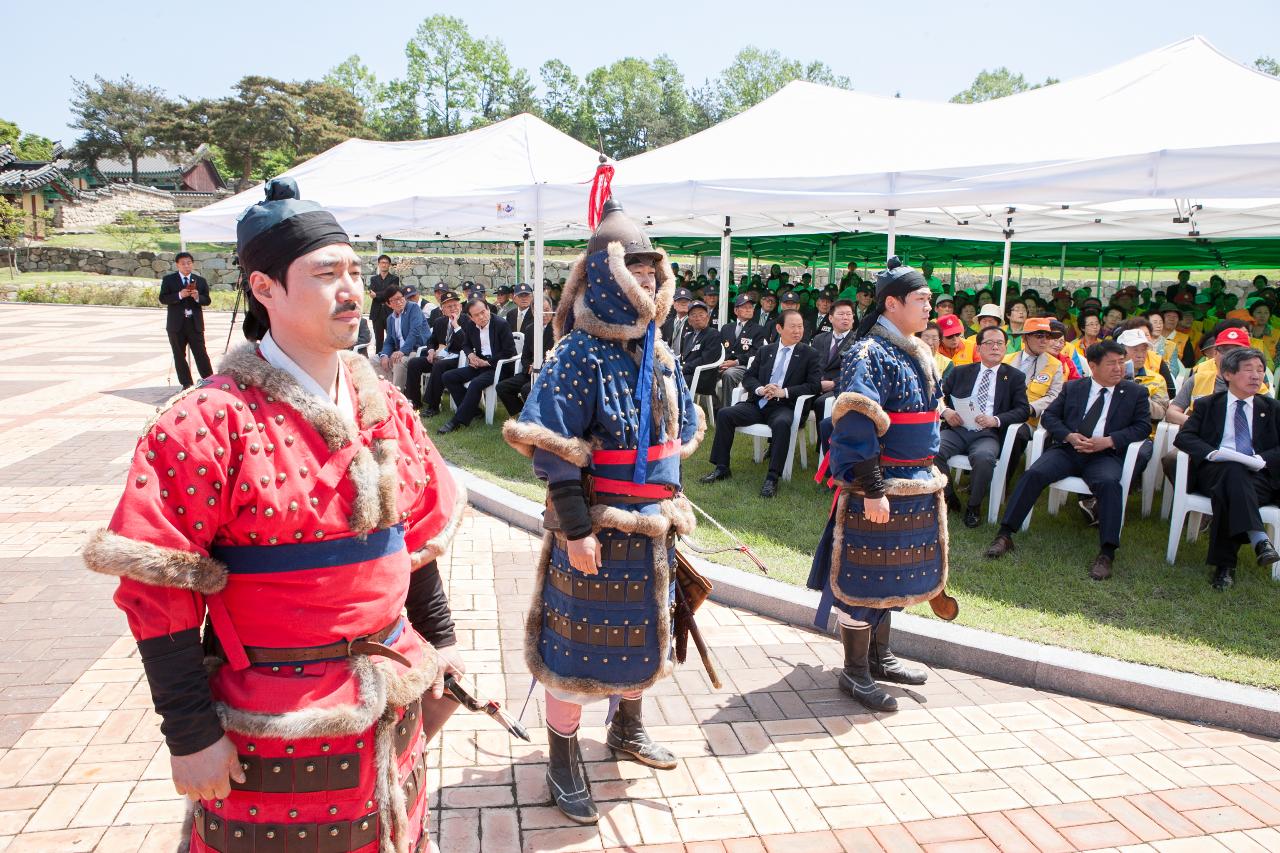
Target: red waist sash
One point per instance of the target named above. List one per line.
(657, 491)
(624, 457)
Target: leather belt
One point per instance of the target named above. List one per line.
(369, 644)
(890, 462)
(233, 836)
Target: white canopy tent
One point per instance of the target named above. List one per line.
(494, 183)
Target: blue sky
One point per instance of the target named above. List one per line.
(923, 49)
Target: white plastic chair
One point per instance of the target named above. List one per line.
(1187, 503)
(707, 401)
(761, 432)
(1074, 485)
(826, 413)
(960, 462)
(1153, 474)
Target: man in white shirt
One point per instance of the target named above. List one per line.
(1093, 422)
(1233, 439)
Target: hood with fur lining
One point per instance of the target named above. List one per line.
(602, 297)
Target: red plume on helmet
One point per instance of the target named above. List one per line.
(600, 192)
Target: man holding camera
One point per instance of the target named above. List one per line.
(184, 293)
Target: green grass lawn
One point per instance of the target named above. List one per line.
(1149, 612)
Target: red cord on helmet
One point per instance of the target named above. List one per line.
(600, 192)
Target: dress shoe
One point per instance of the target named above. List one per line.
(1223, 578)
(449, 427)
(1266, 553)
(971, 518)
(1089, 509)
(999, 546)
(769, 489)
(715, 476)
(1100, 568)
(428, 412)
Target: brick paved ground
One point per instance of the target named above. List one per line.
(776, 761)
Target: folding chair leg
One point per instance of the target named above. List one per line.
(1175, 534)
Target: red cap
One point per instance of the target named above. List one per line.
(949, 324)
(1232, 337)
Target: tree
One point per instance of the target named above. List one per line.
(705, 108)
(322, 116)
(625, 99)
(675, 115)
(397, 116)
(1000, 83)
(441, 70)
(256, 119)
(501, 91)
(12, 228)
(756, 74)
(564, 101)
(119, 118)
(1267, 65)
(353, 76)
(25, 146)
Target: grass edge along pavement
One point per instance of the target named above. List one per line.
(1149, 613)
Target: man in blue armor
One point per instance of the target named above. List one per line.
(885, 546)
(608, 421)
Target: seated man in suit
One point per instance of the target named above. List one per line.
(514, 390)
(520, 317)
(443, 348)
(700, 345)
(487, 341)
(406, 332)
(820, 319)
(677, 321)
(1092, 423)
(781, 373)
(742, 338)
(998, 394)
(789, 300)
(1043, 372)
(1245, 424)
(831, 346)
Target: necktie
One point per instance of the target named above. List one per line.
(984, 390)
(1244, 441)
(186, 282)
(1091, 417)
(779, 370)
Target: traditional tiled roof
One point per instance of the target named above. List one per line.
(153, 164)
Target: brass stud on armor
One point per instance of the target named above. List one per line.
(202, 470)
(360, 745)
(161, 436)
(281, 476)
(182, 456)
(270, 447)
(253, 811)
(333, 810)
(251, 747)
(304, 471)
(142, 479)
(182, 510)
(244, 487)
(272, 540)
(199, 525)
(220, 414)
(333, 831)
(302, 833)
(319, 534)
(170, 472)
(276, 669)
(288, 750)
(202, 432)
(217, 804)
(253, 448)
(298, 670)
(253, 536)
(297, 534)
(202, 398)
(343, 765)
(240, 385)
(264, 480)
(220, 452)
(309, 767)
(279, 419)
(315, 502)
(239, 833)
(293, 813)
(191, 490)
(271, 833)
(364, 824)
(151, 454)
(211, 501)
(213, 824)
(269, 512)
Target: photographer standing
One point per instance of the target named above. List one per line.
(185, 292)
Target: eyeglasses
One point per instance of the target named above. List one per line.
(992, 342)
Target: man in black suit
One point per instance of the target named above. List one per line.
(504, 307)
(783, 372)
(379, 284)
(767, 315)
(487, 341)
(831, 346)
(677, 319)
(790, 301)
(444, 346)
(741, 338)
(185, 292)
(514, 390)
(1245, 424)
(699, 345)
(998, 394)
(520, 315)
(820, 320)
(1093, 422)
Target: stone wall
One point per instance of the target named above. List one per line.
(418, 270)
(101, 206)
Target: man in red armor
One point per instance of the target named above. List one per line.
(292, 506)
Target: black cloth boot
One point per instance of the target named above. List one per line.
(855, 678)
(567, 780)
(885, 666)
(627, 734)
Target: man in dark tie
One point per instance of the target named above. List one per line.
(514, 390)
(1093, 422)
(520, 317)
(678, 320)
(699, 345)
(443, 348)
(488, 341)
(1233, 439)
(997, 395)
(830, 347)
(184, 293)
(783, 372)
(742, 339)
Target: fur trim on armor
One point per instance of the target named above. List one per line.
(526, 437)
(371, 396)
(188, 821)
(898, 486)
(852, 401)
(672, 513)
(691, 446)
(112, 554)
(366, 504)
(589, 686)
(436, 545)
(245, 366)
(919, 352)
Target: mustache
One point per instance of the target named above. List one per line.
(344, 307)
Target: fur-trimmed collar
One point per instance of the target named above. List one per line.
(573, 311)
(914, 347)
(247, 367)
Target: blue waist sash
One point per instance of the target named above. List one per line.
(300, 556)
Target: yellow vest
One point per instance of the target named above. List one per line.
(1151, 377)
(941, 363)
(964, 355)
(1038, 385)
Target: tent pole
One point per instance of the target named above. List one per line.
(991, 273)
(726, 263)
(538, 275)
(953, 276)
(1120, 275)
(893, 229)
(1099, 291)
(377, 246)
(519, 262)
(1062, 265)
(831, 262)
(1004, 266)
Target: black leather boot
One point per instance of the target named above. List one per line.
(567, 780)
(855, 678)
(627, 734)
(885, 666)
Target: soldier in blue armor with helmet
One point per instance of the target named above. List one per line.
(885, 545)
(608, 421)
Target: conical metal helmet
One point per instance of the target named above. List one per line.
(616, 227)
